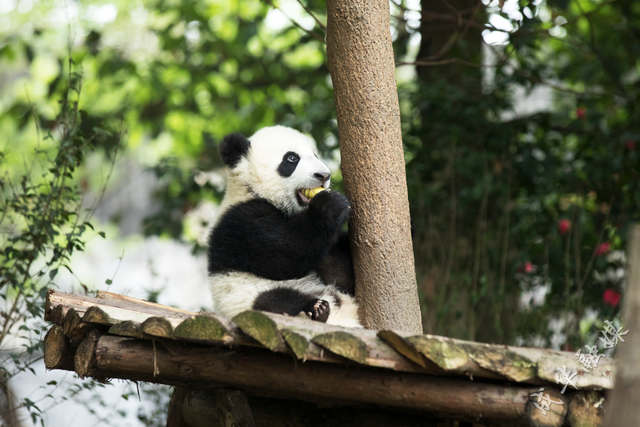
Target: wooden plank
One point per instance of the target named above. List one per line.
(115, 308)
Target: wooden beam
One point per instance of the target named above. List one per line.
(262, 372)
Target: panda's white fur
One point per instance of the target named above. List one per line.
(234, 292)
(256, 175)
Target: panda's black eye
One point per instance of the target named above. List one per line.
(292, 158)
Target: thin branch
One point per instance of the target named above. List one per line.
(310, 32)
(320, 24)
(441, 62)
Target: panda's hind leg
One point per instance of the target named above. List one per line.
(289, 301)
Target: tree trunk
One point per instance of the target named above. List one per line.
(624, 409)
(360, 60)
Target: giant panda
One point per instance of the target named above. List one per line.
(271, 248)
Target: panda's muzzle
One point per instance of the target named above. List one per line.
(306, 194)
(322, 177)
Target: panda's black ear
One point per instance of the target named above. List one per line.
(232, 148)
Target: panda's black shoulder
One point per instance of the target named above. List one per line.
(252, 209)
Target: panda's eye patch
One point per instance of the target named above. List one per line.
(288, 164)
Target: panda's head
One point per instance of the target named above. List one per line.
(276, 163)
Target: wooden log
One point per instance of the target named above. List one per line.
(84, 359)
(586, 409)
(199, 410)
(72, 325)
(624, 402)
(117, 309)
(58, 352)
(554, 415)
(279, 376)
(157, 327)
(232, 408)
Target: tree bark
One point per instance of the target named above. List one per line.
(624, 406)
(361, 63)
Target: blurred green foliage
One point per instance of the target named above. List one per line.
(489, 186)
(43, 222)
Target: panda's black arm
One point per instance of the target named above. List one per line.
(336, 267)
(258, 238)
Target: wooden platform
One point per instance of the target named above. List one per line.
(269, 356)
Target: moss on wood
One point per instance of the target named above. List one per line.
(297, 343)
(259, 327)
(446, 355)
(127, 328)
(343, 344)
(201, 328)
(501, 361)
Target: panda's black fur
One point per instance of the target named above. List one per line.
(297, 253)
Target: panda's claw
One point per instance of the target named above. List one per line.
(332, 207)
(318, 310)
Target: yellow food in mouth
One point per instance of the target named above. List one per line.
(310, 193)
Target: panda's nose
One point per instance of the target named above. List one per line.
(322, 176)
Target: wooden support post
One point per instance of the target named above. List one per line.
(232, 408)
(199, 410)
(174, 416)
(623, 409)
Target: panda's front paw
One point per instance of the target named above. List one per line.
(318, 310)
(331, 206)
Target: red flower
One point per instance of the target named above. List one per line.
(611, 297)
(563, 226)
(630, 144)
(528, 267)
(581, 112)
(603, 248)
